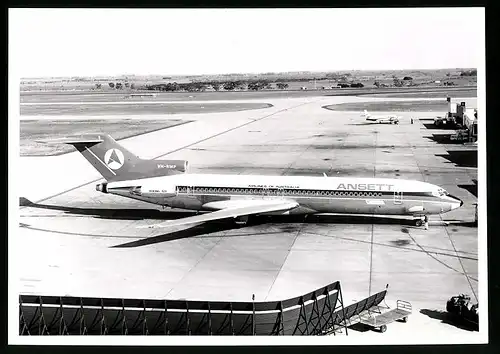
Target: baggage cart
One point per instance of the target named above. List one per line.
(378, 319)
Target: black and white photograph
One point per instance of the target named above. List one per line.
(308, 176)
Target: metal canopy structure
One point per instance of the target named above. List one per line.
(316, 313)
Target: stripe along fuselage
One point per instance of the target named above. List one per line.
(314, 194)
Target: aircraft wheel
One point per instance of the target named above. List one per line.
(383, 328)
(419, 222)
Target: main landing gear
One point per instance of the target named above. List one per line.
(423, 220)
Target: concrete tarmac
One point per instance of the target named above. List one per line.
(79, 242)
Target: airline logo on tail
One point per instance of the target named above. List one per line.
(114, 159)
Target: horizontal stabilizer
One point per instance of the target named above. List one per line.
(243, 209)
(81, 139)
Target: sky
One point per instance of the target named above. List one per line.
(95, 42)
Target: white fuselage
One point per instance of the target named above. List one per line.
(313, 194)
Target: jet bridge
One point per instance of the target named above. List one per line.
(319, 312)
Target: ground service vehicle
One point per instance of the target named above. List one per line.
(462, 309)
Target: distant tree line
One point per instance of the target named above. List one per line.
(263, 84)
(397, 82)
(469, 73)
(117, 86)
(252, 85)
(407, 80)
(227, 85)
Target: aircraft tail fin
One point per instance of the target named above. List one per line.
(115, 163)
(107, 156)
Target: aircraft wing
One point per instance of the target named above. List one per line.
(233, 210)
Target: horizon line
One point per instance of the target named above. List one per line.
(244, 73)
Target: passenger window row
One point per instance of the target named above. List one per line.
(271, 192)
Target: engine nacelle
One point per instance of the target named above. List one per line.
(163, 191)
(102, 187)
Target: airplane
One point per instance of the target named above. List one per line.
(239, 197)
(391, 119)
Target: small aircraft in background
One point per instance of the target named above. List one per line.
(390, 119)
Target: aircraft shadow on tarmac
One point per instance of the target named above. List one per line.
(447, 318)
(226, 225)
(213, 226)
(200, 230)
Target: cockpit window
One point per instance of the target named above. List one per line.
(441, 192)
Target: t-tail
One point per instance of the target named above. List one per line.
(115, 163)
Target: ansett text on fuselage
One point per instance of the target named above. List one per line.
(365, 186)
(340, 186)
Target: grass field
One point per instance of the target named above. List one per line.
(94, 96)
(32, 130)
(136, 108)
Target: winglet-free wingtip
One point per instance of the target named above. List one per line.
(154, 226)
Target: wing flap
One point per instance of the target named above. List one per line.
(230, 212)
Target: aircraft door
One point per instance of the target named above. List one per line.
(398, 197)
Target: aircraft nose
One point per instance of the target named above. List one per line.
(457, 202)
